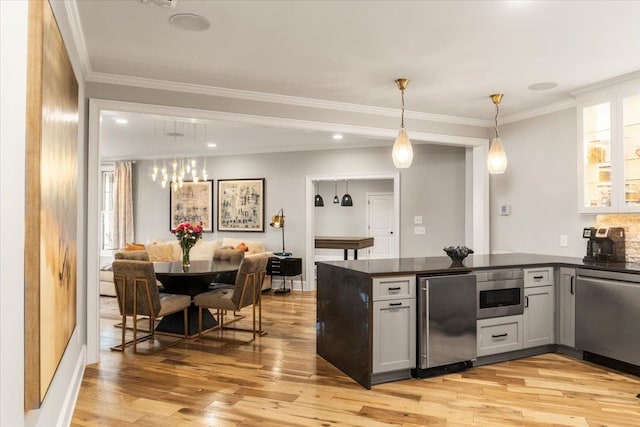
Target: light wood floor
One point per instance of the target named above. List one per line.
(279, 381)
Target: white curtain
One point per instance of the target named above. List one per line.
(123, 205)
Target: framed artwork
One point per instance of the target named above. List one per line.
(51, 234)
(241, 204)
(192, 203)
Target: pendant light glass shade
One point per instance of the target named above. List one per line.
(402, 153)
(346, 199)
(497, 158)
(402, 150)
(317, 200)
(335, 198)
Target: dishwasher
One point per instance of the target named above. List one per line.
(446, 324)
(607, 315)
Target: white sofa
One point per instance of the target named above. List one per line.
(163, 251)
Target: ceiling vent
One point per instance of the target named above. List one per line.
(163, 3)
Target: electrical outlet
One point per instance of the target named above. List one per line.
(505, 209)
(419, 230)
(563, 240)
(417, 219)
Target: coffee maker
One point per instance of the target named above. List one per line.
(605, 244)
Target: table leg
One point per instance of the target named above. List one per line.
(174, 323)
(346, 253)
(355, 254)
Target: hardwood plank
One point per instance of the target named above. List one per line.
(278, 380)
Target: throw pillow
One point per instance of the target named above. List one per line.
(242, 247)
(134, 247)
(160, 252)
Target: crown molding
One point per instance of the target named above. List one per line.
(606, 83)
(535, 112)
(276, 98)
(71, 7)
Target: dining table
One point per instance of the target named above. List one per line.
(201, 274)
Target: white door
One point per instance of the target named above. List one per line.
(381, 225)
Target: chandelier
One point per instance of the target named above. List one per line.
(182, 169)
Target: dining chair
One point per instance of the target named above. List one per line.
(246, 291)
(138, 295)
(226, 255)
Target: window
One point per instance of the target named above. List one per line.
(106, 208)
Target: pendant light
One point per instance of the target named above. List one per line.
(336, 200)
(402, 153)
(497, 158)
(346, 199)
(317, 200)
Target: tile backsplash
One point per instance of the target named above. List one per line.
(631, 224)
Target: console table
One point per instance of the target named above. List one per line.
(346, 243)
(284, 267)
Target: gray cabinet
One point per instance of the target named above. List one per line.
(394, 324)
(499, 335)
(567, 307)
(538, 316)
(537, 319)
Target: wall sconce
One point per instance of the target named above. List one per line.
(317, 200)
(346, 199)
(402, 153)
(497, 158)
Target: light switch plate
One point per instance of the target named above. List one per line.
(563, 240)
(417, 219)
(419, 230)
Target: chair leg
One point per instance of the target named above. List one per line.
(186, 324)
(124, 327)
(135, 331)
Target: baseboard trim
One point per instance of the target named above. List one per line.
(71, 397)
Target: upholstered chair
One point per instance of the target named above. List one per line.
(246, 291)
(226, 255)
(132, 255)
(138, 295)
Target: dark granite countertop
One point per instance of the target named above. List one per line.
(442, 265)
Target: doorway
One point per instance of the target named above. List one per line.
(381, 226)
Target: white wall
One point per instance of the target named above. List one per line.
(58, 404)
(541, 186)
(433, 187)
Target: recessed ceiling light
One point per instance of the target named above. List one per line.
(337, 136)
(543, 86)
(189, 22)
(212, 145)
(122, 121)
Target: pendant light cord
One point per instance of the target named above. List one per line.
(402, 116)
(496, 121)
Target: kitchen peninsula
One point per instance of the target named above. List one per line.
(348, 291)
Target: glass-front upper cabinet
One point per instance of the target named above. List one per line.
(631, 150)
(609, 150)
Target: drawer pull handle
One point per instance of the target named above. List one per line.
(395, 289)
(538, 277)
(499, 335)
(395, 303)
(526, 302)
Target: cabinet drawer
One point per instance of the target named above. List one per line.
(393, 287)
(538, 276)
(499, 335)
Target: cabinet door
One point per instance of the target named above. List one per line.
(631, 152)
(596, 151)
(394, 335)
(538, 316)
(567, 307)
(609, 150)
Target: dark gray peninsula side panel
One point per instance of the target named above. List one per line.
(344, 319)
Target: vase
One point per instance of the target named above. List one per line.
(186, 264)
